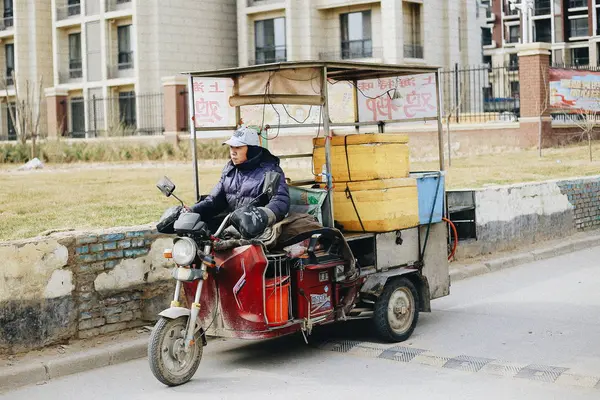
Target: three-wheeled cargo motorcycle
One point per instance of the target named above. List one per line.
(248, 289)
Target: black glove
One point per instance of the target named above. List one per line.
(250, 221)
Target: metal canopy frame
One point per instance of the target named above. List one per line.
(339, 71)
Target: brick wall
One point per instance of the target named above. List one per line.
(584, 195)
(97, 254)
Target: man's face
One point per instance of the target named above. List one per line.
(238, 155)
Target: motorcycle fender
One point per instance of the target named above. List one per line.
(176, 312)
(375, 284)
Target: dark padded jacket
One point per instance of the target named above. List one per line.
(240, 184)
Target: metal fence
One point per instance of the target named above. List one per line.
(481, 94)
(126, 114)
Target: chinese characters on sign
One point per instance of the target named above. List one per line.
(211, 102)
(574, 89)
(417, 98)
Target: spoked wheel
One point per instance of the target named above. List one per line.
(169, 361)
(397, 311)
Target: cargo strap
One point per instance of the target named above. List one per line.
(349, 196)
(347, 160)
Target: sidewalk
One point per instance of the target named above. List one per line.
(38, 367)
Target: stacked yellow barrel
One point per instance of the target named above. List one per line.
(372, 190)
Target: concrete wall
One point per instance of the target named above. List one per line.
(80, 285)
(510, 217)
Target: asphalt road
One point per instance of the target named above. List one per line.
(530, 332)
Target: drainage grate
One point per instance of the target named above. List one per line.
(400, 353)
(542, 373)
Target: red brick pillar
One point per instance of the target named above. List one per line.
(56, 112)
(174, 88)
(534, 63)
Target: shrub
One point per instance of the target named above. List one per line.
(56, 151)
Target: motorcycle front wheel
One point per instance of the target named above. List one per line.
(169, 362)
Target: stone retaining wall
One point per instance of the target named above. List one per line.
(514, 216)
(80, 285)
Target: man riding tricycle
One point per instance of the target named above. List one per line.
(256, 260)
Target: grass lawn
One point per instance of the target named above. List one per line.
(96, 196)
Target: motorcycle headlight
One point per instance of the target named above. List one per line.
(184, 251)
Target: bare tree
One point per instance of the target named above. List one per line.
(26, 112)
(453, 109)
(544, 105)
(587, 121)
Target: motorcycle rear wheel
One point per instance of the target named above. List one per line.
(169, 363)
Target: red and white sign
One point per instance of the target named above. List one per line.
(211, 101)
(417, 98)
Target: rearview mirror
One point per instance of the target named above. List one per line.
(272, 180)
(166, 186)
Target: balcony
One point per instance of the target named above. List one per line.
(125, 60)
(117, 5)
(6, 23)
(8, 78)
(413, 51)
(270, 54)
(68, 11)
(75, 69)
(255, 3)
(353, 49)
(542, 7)
(336, 55)
(123, 68)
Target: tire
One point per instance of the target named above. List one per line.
(169, 364)
(396, 311)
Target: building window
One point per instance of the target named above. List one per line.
(10, 126)
(77, 117)
(356, 35)
(513, 62)
(577, 3)
(127, 114)
(543, 31)
(125, 56)
(486, 36)
(542, 7)
(580, 56)
(73, 7)
(9, 56)
(514, 89)
(514, 33)
(487, 92)
(507, 9)
(8, 13)
(269, 41)
(413, 47)
(579, 27)
(75, 70)
(487, 62)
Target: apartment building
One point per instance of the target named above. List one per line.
(109, 57)
(25, 49)
(571, 26)
(432, 32)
